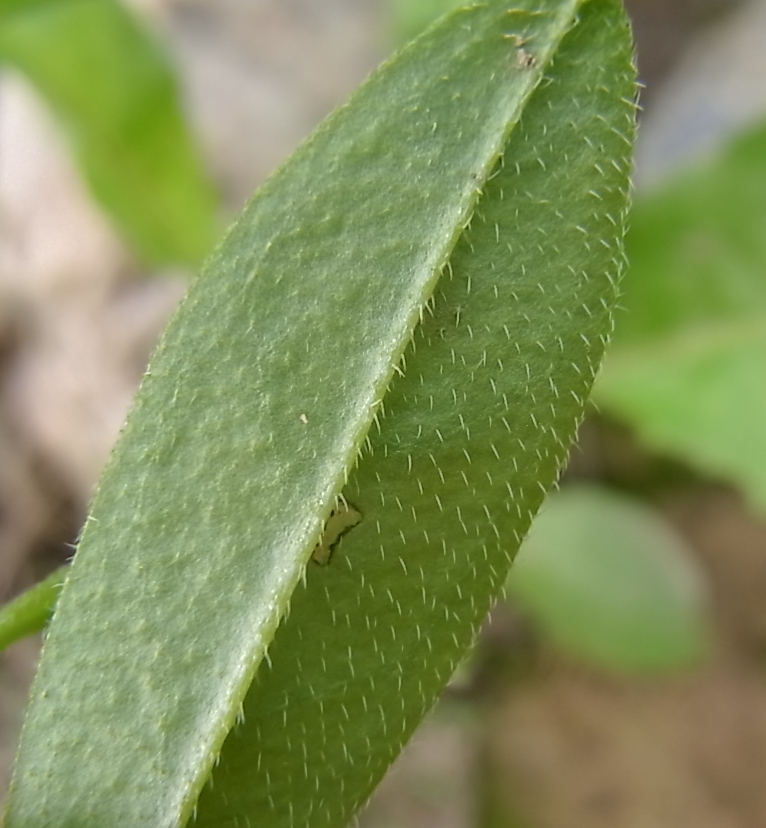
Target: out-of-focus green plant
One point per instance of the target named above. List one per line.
(410, 17)
(31, 611)
(688, 368)
(385, 330)
(113, 92)
(610, 583)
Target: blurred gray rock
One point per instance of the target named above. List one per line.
(717, 87)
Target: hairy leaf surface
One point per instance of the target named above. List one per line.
(409, 315)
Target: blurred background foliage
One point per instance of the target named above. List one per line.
(687, 367)
(621, 681)
(113, 91)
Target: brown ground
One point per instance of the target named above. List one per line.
(581, 749)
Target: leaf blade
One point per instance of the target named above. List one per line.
(374, 636)
(260, 467)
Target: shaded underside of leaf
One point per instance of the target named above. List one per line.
(410, 203)
(688, 366)
(111, 88)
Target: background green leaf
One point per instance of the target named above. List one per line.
(410, 17)
(688, 367)
(113, 91)
(456, 228)
(611, 583)
(30, 612)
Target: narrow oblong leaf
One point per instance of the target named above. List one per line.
(611, 583)
(405, 322)
(113, 92)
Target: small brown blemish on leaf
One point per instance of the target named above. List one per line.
(525, 60)
(342, 518)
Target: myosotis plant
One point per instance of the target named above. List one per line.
(399, 334)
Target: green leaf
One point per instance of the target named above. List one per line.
(688, 366)
(610, 582)
(410, 17)
(410, 313)
(113, 91)
(31, 611)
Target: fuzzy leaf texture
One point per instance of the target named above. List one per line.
(410, 314)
